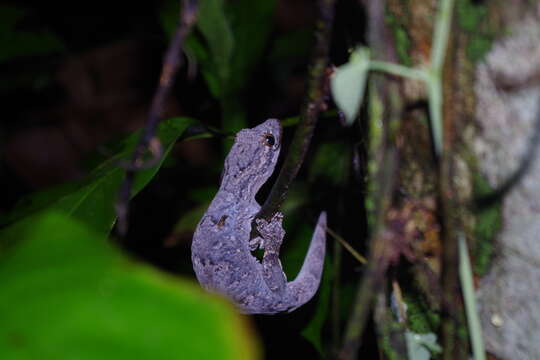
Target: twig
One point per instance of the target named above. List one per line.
(453, 341)
(433, 77)
(376, 267)
(443, 115)
(381, 42)
(335, 315)
(171, 63)
(347, 246)
(391, 338)
(315, 97)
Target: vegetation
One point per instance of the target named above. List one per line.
(108, 166)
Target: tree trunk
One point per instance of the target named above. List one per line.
(491, 114)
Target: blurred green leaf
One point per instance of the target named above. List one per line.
(168, 15)
(349, 82)
(295, 244)
(292, 44)
(92, 199)
(313, 330)
(234, 35)
(188, 222)
(197, 46)
(420, 346)
(331, 162)
(215, 28)
(294, 251)
(251, 23)
(9, 17)
(203, 194)
(66, 294)
(16, 43)
(34, 78)
(297, 197)
(230, 41)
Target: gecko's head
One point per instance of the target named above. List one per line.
(254, 154)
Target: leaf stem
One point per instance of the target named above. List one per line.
(441, 35)
(432, 76)
(399, 70)
(438, 54)
(465, 274)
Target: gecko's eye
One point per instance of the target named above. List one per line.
(269, 139)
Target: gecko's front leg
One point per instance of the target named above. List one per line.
(272, 234)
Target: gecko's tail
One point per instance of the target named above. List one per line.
(308, 279)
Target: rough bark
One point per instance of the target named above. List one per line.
(507, 89)
(491, 117)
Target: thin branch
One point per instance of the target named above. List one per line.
(381, 43)
(171, 63)
(313, 103)
(453, 341)
(377, 264)
(390, 337)
(355, 254)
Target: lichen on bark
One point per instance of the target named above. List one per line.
(507, 112)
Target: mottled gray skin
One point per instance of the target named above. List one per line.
(221, 249)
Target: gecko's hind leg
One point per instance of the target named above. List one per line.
(272, 234)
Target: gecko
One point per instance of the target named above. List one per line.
(222, 246)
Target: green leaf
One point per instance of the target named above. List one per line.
(66, 294)
(420, 346)
(349, 82)
(230, 41)
(92, 199)
(313, 330)
(331, 162)
(295, 44)
(295, 244)
(215, 28)
(295, 248)
(297, 197)
(251, 23)
(214, 49)
(189, 220)
(203, 194)
(15, 43)
(212, 46)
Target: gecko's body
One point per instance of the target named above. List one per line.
(221, 249)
